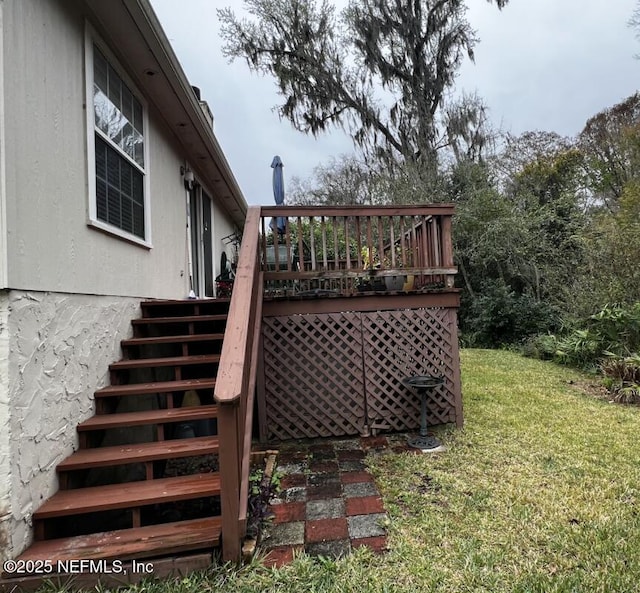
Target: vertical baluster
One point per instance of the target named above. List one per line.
(346, 243)
(264, 245)
(276, 251)
(347, 281)
(359, 242)
(336, 243)
(437, 253)
(312, 243)
(287, 238)
(437, 245)
(423, 244)
(369, 242)
(380, 243)
(300, 247)
(403, 244)
(392, 240)
(414, 246)
(323, 226)
(447, 248)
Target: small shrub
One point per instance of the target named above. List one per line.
(618, 328)
(261, 489)
(622, 374)
(542, 347)
(582, 348)
(614, 329)
(499, 316)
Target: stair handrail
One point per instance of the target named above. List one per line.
(235, 388)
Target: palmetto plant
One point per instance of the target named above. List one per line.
(624, 375)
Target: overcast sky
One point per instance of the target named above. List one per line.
(540, 65)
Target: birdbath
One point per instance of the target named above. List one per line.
(423, 384)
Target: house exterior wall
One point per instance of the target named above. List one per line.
(60, 347)
(68, 291)
(50, 246)
(3, 209)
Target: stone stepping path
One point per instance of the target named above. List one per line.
(328, 503)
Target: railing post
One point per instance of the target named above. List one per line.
(230, 479)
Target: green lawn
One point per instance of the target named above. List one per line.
(540, 492)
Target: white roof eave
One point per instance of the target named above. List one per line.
(135, 34)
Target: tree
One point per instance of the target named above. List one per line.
(610, 273)
(611, 144)
(342, 181)
(383, 70)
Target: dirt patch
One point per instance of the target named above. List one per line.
(592, 388)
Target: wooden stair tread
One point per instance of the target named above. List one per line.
(128, 495)
(179, 319)
(137, 363)
(126, 544)
(162, 416)
(156, 387)
(172, 339)
(139, 453)
(164, 303)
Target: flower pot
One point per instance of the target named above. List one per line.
(394, 283)
(409, 284)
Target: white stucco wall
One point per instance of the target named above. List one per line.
(60, 348)
(50, 246)
(5, 429)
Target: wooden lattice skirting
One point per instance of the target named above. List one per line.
(339, 374)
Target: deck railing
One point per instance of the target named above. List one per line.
(235, 388)
(354, 249)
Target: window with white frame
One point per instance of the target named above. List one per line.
(117, 138)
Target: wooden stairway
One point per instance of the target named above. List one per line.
(144, 482)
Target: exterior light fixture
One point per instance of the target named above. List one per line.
(188, 178)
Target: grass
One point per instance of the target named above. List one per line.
(540, 492)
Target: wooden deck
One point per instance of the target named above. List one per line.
(355, 300)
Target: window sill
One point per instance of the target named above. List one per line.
(108, 229)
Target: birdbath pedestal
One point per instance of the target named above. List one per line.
(423, 385)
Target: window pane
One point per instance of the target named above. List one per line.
(115, 85)
(99, 70)
(114, 207)
(138, 154)
(127, 215)
(118, 114)
(137, 117)
(127, 104)
(119, 190)
(125, 181)
(101, 199)
(138, 220)
(137, 193)
(101, 181)
(113, 169)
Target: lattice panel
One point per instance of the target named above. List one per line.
(314, 383)
(399, 344)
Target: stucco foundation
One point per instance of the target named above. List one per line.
(60, 347)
